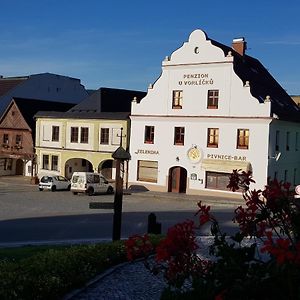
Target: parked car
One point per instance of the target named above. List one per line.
(54, 183)
(90, 183)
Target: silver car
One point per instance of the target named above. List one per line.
(54, 183)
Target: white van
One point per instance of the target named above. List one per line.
(90, 183)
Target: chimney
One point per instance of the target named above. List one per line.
(239, 45)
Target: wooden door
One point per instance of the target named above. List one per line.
(177, 180)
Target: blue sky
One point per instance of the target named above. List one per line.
(121, 44)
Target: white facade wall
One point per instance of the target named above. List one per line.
(195, 68)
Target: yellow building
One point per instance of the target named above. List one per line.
(85, 137)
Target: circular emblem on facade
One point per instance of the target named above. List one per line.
(194, 154)
(297, 189)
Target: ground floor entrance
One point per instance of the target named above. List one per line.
(177, 180)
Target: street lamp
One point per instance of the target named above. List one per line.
(120, 156)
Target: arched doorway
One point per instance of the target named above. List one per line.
(106, 168)
(177, 180)
(77, 165)
(19, 167)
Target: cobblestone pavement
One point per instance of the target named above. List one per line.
(130, 281)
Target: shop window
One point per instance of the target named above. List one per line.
(242, 138)
(147, 171)
(104, 136)
(216, 180)
(84, 135)
(55, 133)
(149, 135)
(212, 99)
(54, 163)
(213, 137)
(74, 134)
(179, 136)
(177, 99)
(46, 162)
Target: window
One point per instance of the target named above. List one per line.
(213, 137)
(287, 145)
(84, 135)
(46, 162)
(104, 136)
(18, 139)
(296, 141)
(8, 164)
(55, 133)
(74, 134)
(277, 140)
(147, 170)
(242, 138)
(285, 175)
(5, 138)
(149, 135)
(212, 99)
(177, 99)
(275, 175)
(179, 136)
(54, 163)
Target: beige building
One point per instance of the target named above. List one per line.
(85, 137)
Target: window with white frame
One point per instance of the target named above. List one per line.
(242, 138)
(55, 133)
(177, 99)
(149, 135)
(45, 162)
(74, 134)
(213, 99)
(213, 137)
(54, 163)
(104, 136)
(84, 135)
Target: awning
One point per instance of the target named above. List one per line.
(226, 166)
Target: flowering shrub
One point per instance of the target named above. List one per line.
(270, 219)
(138, 246)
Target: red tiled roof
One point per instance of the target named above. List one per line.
(8, 84)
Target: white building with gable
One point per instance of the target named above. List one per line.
(212, 110)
